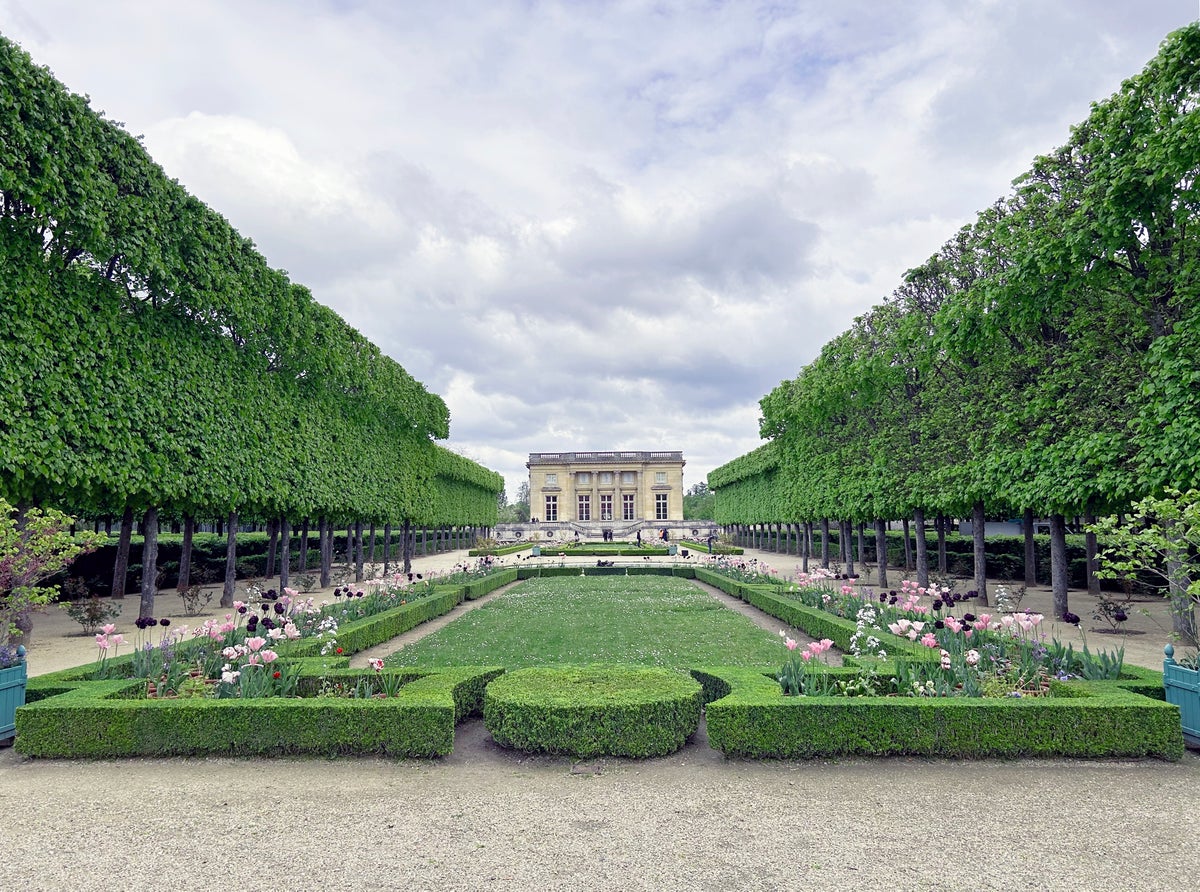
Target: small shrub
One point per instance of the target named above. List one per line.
(195, 599)
(91, 613)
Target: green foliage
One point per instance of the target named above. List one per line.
(1102, 720)
(589, 711)
(102, 720)
(1045, 357)
(123, 294)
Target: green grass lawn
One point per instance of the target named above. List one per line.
(643, 620)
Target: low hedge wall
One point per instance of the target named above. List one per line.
(593, 710)
(100, 720)
(477, 588)
(500, 550)
(1094, 719)
(535, 572)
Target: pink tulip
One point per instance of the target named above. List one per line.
(269, 656)
(109, 629)
(791, 644)
(255, 643)
(929, 640)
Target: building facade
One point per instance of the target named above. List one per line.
(610, 489)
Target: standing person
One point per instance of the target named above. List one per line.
(664, 534)
(710, 543)
(639, 538)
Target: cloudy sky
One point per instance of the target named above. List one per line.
(596, 225)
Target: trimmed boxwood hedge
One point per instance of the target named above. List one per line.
(100, 720)
(752, 718)
(500, 550)
(535, 572)
(593, 710)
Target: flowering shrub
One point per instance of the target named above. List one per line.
(751, 571)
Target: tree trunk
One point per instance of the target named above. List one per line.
(847, 537)
(324, 548)
(977, 531)
(387, 547)
(1089, 538)
(1058, 563)
(304, 545)
(941, 540)
(358, 550)
(149, 561)
(922, 548)
(907, 544)
(185, 554)
(272, 545)
(805, 545)
(230, 560)
(285, 554)
(1030, 548)
(881, 551)
(862, 550)
(408, 546)
(121, 565)
(371, 553)
(825, 542)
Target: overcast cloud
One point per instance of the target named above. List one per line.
(596, 225)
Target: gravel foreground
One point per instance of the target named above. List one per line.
(485, 818)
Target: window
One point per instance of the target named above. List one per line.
(629, 477)
(606, 506)
(552, 480)
(606, 478)
(584, 478)
(660, 506)
(585, 508)
(627, 506)
(551, 509)
(660, 477)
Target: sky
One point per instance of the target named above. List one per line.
(597, 226)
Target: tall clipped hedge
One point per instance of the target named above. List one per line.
(1044, 360)
(149, 355)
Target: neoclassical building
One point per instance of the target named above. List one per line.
(612, 489)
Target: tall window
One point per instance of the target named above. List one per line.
(660, 477)
(660, 506)
(585, 507)
(606, 506)
(627, 506)
(551, 508)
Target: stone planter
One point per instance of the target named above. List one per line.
(12, 695)
(1183, 690)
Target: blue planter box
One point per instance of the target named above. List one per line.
(12, 695)
(1183, 690)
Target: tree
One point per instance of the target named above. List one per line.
(699, 503)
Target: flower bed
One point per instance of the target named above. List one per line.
(108, 718)
(748, 716)
(593, 710)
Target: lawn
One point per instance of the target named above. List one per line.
(643, 620)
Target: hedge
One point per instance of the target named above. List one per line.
(1094, 719)
(535, 572)
(100, 720)
(593, 710)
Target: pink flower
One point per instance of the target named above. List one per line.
(376, 664)
(255, 643)
(102, 641)
(290, 592)
(945, 659)
(805, 655)
(790, 644)
(972, 657)
(109, 629)
(929, 640)
(269, 656)
(118, 640)
(231, 653)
